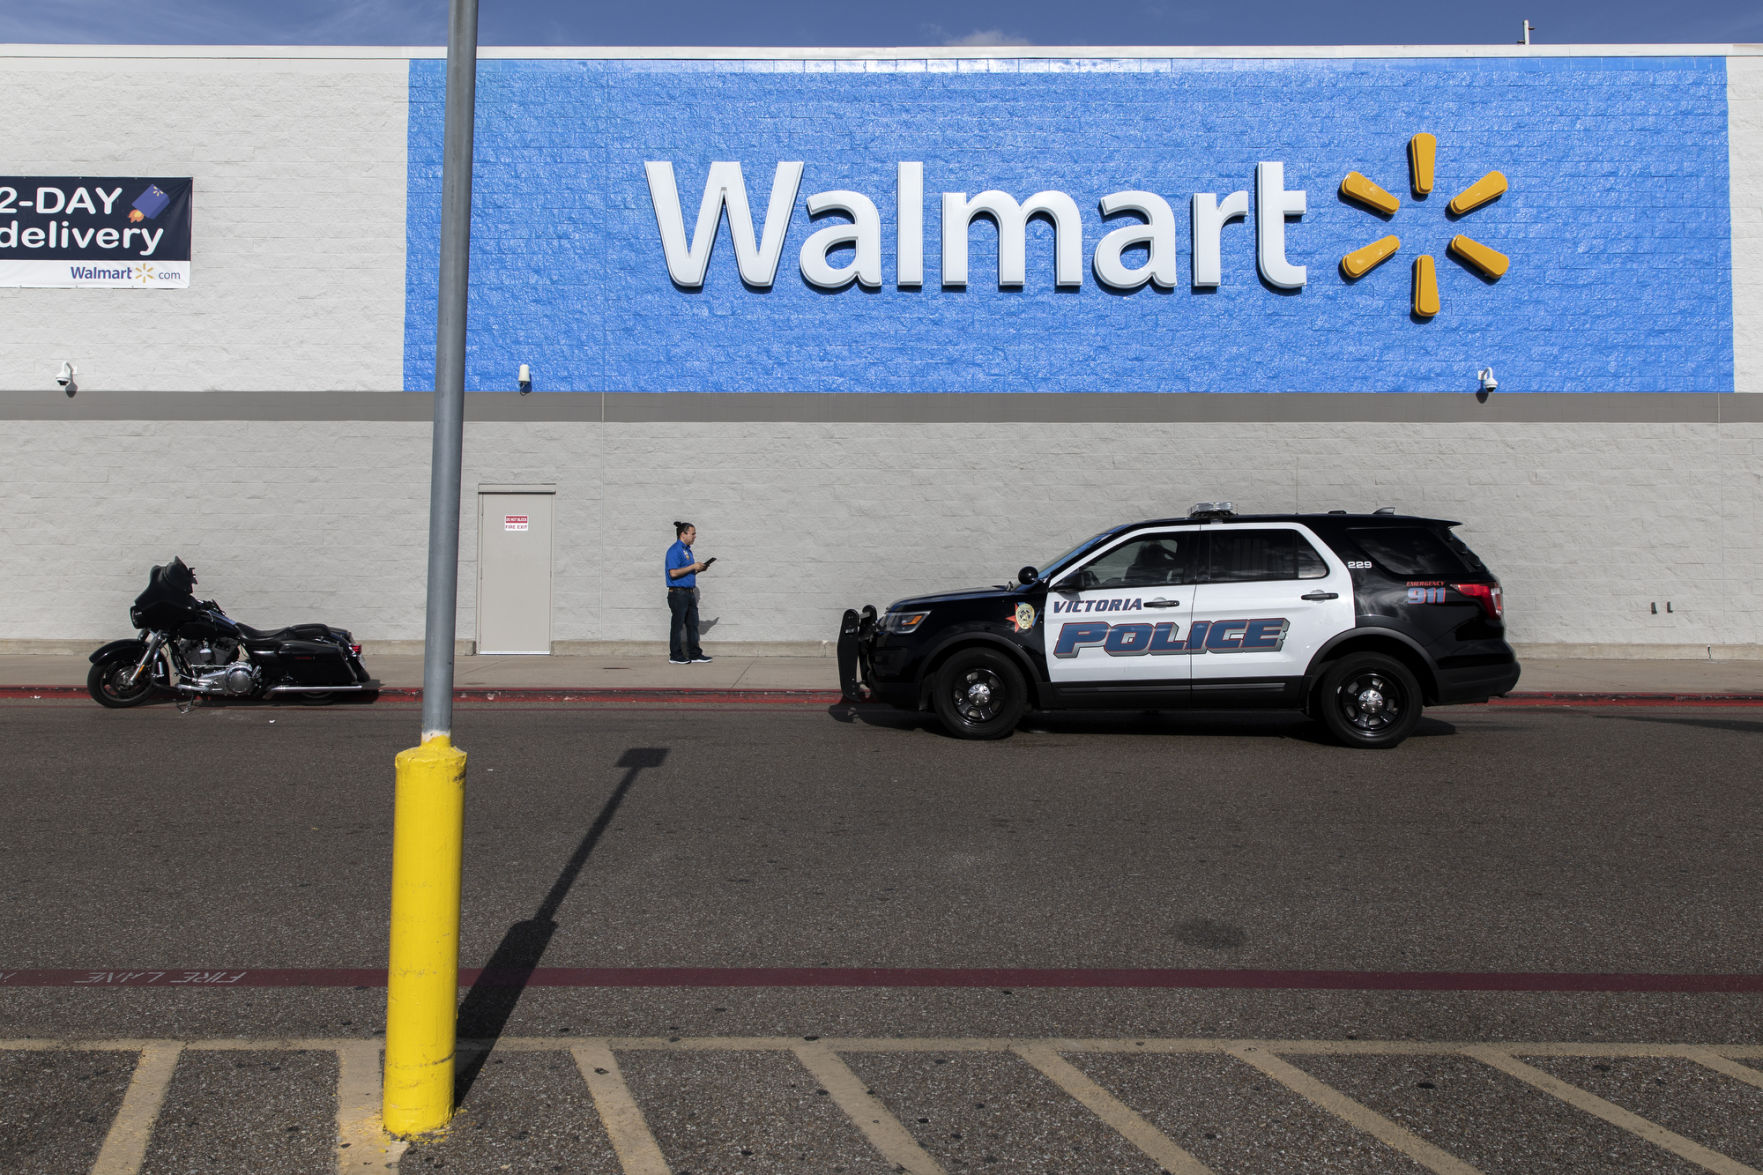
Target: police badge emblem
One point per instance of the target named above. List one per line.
(1024, 618)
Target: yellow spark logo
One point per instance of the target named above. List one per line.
(145, 274)
(1489, 262)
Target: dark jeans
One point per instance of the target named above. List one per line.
(682, 634)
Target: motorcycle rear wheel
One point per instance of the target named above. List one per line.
(108, 683)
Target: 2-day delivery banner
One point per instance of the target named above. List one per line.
(106, 231)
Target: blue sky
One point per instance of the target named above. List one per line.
(901, 22)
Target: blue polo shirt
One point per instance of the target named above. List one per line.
(679, 555)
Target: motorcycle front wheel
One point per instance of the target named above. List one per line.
(108, 683)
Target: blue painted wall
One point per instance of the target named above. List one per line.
(1617, 224)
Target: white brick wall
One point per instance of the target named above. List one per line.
(1586, 524)
(1744, 105)
(298, 251)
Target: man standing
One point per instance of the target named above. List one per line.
(682, 569)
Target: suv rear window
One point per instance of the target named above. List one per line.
(1248, 556)
(1417, 551)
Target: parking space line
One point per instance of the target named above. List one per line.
(1730, 1068)
(362, 1143)
(1353, 1113)
(866, 1111)
(633, 1142)
(125, 1146)
(920, 1044)
(1614, 1114)
(1125, 1121)
(631, 1044)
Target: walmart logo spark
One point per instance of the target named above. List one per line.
(1489, 262)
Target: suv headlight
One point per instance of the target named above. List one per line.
(903, 622)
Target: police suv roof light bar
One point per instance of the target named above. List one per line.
(1213, 510)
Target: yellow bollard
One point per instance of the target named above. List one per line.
(422, 986)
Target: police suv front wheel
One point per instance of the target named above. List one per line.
(979, 693)
(1369, 700)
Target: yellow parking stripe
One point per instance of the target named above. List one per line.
(358, 1067)
(877, 1122)
(638, 1152)
(1614, 1114)
(125, 1147)
(1732, 1069)
(362, 1143)
(1352, 1112)
(1162, 1149)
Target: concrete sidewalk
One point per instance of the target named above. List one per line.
(653, 671)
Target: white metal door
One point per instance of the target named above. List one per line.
(514, 573)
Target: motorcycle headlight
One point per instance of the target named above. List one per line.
(904, 621)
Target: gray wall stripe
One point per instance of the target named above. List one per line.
(859, 408)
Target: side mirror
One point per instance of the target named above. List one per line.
(1027, 576)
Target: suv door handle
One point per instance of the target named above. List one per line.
(1162, 603)
(1320, 596)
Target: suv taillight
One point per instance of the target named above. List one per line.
(1485, 594)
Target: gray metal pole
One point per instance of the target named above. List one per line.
(443, 577)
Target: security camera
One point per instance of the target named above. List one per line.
(525, 381)
(64, 378)
(1488, 382)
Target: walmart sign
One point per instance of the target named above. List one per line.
(1154, 234)
(1087, 226)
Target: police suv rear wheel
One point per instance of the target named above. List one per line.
(979, 694)
(1369, 700)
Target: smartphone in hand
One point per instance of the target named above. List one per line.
(707, 563)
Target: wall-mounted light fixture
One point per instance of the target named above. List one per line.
(64, 377)
(525, 379)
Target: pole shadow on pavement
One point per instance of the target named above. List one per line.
(491, 1001)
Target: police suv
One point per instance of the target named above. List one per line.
(1358, 620)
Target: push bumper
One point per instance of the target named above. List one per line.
(856, 654)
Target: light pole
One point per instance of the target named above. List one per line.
(422, 983)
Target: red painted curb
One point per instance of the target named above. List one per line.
(1631, 699)
(900, 977)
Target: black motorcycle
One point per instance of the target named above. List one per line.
(191, 649)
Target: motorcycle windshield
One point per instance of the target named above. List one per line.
(167, 599)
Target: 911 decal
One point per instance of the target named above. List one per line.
(1426, 595)
(1267, 635)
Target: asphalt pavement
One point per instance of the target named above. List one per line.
(731, 895)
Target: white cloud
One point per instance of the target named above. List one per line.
(982, 37)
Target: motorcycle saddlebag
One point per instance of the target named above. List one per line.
(306, 663)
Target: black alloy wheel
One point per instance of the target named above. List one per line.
(1369, 700)
(108, 683)
(980, 693)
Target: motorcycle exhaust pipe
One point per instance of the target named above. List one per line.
(315, 689)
